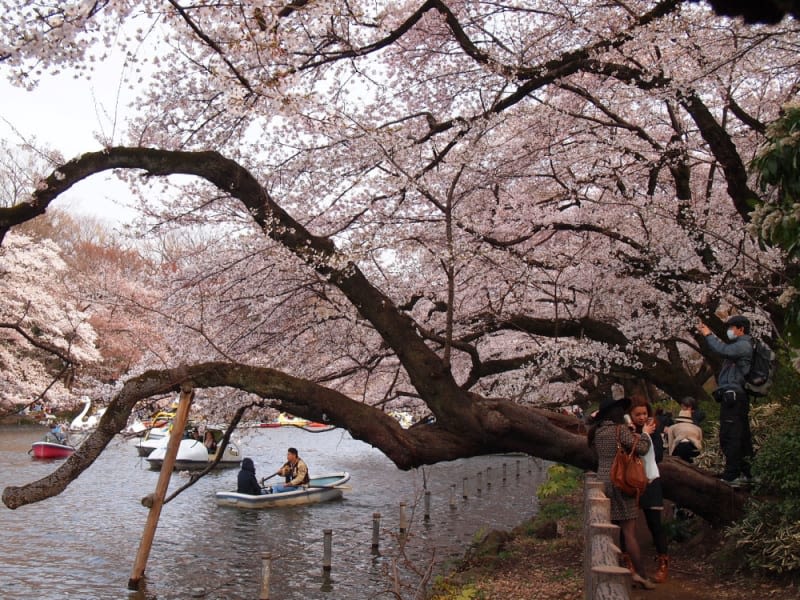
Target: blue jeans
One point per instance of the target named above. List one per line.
(280, 487)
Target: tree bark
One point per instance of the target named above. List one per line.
(496, 425)
(466, 424)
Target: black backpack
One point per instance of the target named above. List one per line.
(762, 367)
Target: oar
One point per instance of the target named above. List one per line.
(333, 486)
(263, 479)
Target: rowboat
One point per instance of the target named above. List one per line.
(193, 456)
(319, 489)
(50, 450)
(287, 420)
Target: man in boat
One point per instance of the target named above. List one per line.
(56, 434)
(246, 482)
(295, 472)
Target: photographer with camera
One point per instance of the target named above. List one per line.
(734, 414)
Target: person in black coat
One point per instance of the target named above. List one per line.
(246, 482)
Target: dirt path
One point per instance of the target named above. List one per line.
(693, 578)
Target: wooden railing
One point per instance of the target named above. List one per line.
(604, 579)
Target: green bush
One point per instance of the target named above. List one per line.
(561, 480)
(768, 537)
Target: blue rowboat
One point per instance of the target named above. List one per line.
(319, 489)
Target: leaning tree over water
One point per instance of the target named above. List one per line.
(473, 209)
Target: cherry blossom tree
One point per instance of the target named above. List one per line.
(473, 209)
(46, 337)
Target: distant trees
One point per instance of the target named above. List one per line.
(45, 335)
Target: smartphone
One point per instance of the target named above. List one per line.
(627, 418)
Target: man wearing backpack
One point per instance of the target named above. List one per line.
(734, 414)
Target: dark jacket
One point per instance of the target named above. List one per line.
(247, 482)
(738, 355)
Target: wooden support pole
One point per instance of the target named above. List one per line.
(327, 548)
(266, 567)
(178, 425)
(376, 530)
(403, 524)
(427, 505)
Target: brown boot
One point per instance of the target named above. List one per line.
(663, 569)
(627, 562)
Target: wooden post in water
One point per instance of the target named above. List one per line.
(266, 559)
(376, 530)
(517, 469)
(464, 489)
(427, 515)
(178, 425)
(327, 544)
(403, 524)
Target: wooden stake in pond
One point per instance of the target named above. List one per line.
(178, 425)
(403, 524)
(266, 567)
(376, 530)
(427, 505)
(327, 545)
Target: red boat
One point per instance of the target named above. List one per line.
(50, 450)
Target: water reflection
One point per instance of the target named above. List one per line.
(82, 544)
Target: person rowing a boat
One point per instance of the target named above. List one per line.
(56, 434)
(295, 472)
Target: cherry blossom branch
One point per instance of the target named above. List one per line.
(66, 358)
(211, 44)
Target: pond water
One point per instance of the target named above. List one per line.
(82, 544)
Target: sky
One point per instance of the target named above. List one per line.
(65, 114)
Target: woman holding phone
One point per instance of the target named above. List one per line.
(640, 415)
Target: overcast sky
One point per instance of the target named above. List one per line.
(65, 114)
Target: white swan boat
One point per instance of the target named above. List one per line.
(194, 456)
(83, 422)
(319, 489)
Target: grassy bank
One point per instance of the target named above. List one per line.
(540, 558)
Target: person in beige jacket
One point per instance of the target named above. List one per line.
(294, 471)
(684, 436)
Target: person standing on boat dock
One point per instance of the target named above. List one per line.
(294, 470)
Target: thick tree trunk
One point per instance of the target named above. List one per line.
(494, 425)
(466, 424)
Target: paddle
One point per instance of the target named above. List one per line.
(263, 479)
(333, 486)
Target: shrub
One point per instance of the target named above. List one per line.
(768, 537)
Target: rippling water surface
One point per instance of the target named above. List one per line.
(82, 544)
